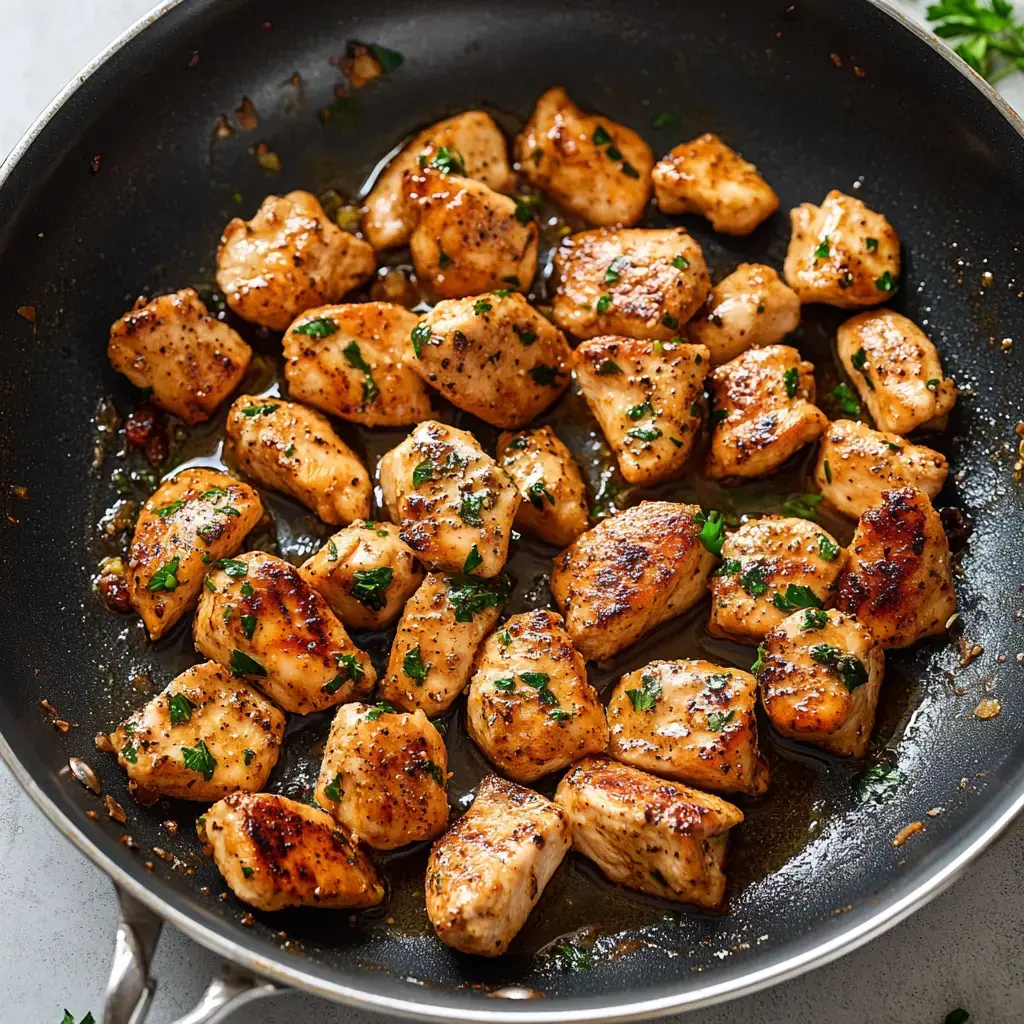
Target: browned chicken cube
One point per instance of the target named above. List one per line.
(190, 521)
(648, 397)
(591, 165)
(441, 628)
(290, 257)
(352, 361)
(639, 282)
(487, 872)
(705, 176)
(629, 574)
(764, 412)
(531, 709)
(820, 674)
(384, 775)
(770, 568)
(898, 582)
(204, 736)
(659, 837)
(841, 253)
(856, 464)
(692, 721)
(366, 573)
(492, 355)
(191, 360)
(896, 370)
(275, 853)
(554, 496)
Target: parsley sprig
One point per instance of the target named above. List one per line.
(992, 40)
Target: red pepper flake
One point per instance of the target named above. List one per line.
(92, 815)
(27, 313)
(194, 59)
(246, 115)
(836, 59)
(146, 428)
(94, 164)
(859, 72)
(114, 590)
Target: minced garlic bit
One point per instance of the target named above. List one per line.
(988, 708)
(905, 833)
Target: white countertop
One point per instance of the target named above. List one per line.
(59, 915)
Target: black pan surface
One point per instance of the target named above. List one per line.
(125, 191)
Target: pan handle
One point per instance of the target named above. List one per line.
(130, 988)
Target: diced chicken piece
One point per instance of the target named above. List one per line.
(896, 371)
(771, 567)
(468, 238)
(640, 282)
(588, 164)
(285, 446)
(384, 776)
(275, 853)
(750, 308)
(629, 574)
(492, 355)
(898, 582)
(706, 177)
(648, 397)
(366, 573)
(470, 144)
(290, 257)
(820, 675)
(487, 872)
(856, 464)
(438, 636)
(454, 504)
(841, 253)
(763, 413)
(554, 496)
(352, 361)
(259, 617)
(691, 721)
(531, 709)
(206, 735)
(191, 520)
(190, 359)
(659, 837)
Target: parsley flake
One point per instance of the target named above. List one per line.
(473, 560)
(180, 709)
(199, 759)
(166, 577)
(318, 327)
(413, 666)
(369, 586)
(243, 665)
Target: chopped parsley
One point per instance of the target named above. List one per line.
(571, 958)
(482, 306)
(814, 618)
(448, 161)
(638, 412)
(506, 685)
(248, 623)
(850, 669)
(350, 671)
(647, 434)
(168, 510)
(681, 263)
(933, 384)
(601, 136)
(471, 507)
(608, 367)
(878, 785)
(524, 211)
(380, 708)
(130, 754)
(753, 581)
(796, 597)
(180, 709)
(545, 376)
(420, 336)
(646, 695)
(199, 759)
(561, 715)
(423, 472)
(248, 871)
(369, 586)
(663, 120)
(333, 790)
(233, 567)
(166, 577)
(243, 665)
(469, 596)
(389, 60)
(537, 492)
(823, 249)
(628, 169)
(259, 410)
(886, 283)
(526, 337)
(828, 471)
(871, 244)
(718, 681)
(791, 378)
(671, 322)
(802, 507)
(208, 583)
(712, 531)
(729, 567)
(846, 399)
(762, 658)
(828, 548)
(353, 354)
(604, 302)
(718, 720)
(614, 271)
(248, 756)
(332, 551)
(318, 327)
(858, 361)
(473, 559)
(413, 667)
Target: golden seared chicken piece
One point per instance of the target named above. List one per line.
(763, 412)
(841, 253)
(487, 872)
(530, 709)
(439, 633)
(554, 496)
(366, 572)
(206, 735)
(454, 504)
(290, 257)
(896, 370)
(640, 282)
(492, 355)
(691, 721)
(588, 164)
(469, 144)
(770, 567)
(898, 581)
(189, 521)
(856, 464)
(467, 238)
(820, 674)
(629, 574)
(285, 446)
(190, 359)
(384, 775)
(275, 853)
(648, 397)
(659, 837)
(705, 176)
(750, 308)
(259, 617)
(352, 361)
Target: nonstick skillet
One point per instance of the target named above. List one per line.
(122, 187)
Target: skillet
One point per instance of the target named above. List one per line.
(121, 188)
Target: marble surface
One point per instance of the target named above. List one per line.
(59, 919)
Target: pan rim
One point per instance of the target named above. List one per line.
(632, 1009)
